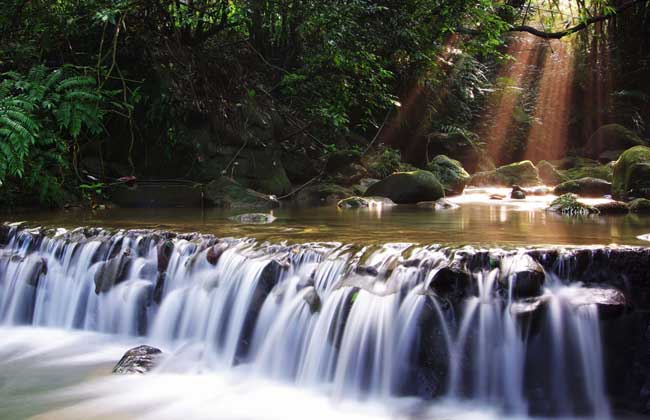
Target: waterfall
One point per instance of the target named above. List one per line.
(357, 322)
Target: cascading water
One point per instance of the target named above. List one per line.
(361, 323)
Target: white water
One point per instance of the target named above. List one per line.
(246, 327)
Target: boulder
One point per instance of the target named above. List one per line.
(353, 203)
(139, 359)
(312, 300)
(585, 187)
(569, 205)
(408, 187)
(612, 207)
(362, 186)
(517, 193)
(215, 252)
(450, 173)
(253, 218)
(228, 193)
(577, 168)
(632, 174)
(522, 276)
(609, 301)
(640, 206)
(549, 174)
(611, 137)
(451, 282)
(322, 194)
(112, 272)
(164, 251)
(457, 146)
(441, 204)
(522, 173)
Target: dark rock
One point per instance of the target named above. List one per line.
(408, 187)
(367, 270)
(139, 359)
(517, 193)
(228, 193)
(214, 253)
(585, 187)
(450, 173)
(457, 146)
(611, 137)
(313, 300)
(522, 275)
(33, 267)
(112, 272)
(640, 206)
(322, 194)
(156, 194)
(632, 174)
(452, 283)
(612, 207)
(164, 251)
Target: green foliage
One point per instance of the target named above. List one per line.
(568, 204)
(42, 114)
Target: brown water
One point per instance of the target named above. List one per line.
(478, 221)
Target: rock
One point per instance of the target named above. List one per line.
(548, 174)
(112, 272)
(313, 300)
(450, 173)
(156, 194)
(577, 168)
(451, 282)
(408, 187)
(228, 193)
(612, 207)
(322, 194)
(568, 204)
(441, 204)
(497, 196)
(353, 203)
(457, 146)
(164, 252)
(522, 173)
(139, 359)
(632, 174)
(214, 253)
(362, 186)
(517, 193)
(610, 302)
(341, 159)
(349, 175)
(611, 137)
(585, 187)
(298, 168)
(522, 275)
(640, 206)
(253, 218)
(381, 165)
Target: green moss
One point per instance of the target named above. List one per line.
(549, 174)
(640, 205)
(408, 187)
(632, 174)
(522, 173)
(585, 187)
(450, 173)
(587, 168)
(569, 205)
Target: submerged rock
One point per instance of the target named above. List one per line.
(408, 187)
(353, 203)
(112, 272)
(632, 174)
(139, 359)
(450, 173)
(585, 187)
(569, 205)
(253, 218)
(640, 206)
(612, 207)
(312, 299)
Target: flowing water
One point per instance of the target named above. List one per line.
(257, 330)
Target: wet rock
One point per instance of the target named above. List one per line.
(160, 288)
(517, 193)
(322, 194)
(640, 206)
(632, 174)
(366, 270)
(253, 218)
(609, 301)
(139, 359)
(228, 193)
(408, 187)
(451, 282)
(585, 187)
(497, 196)
(549, 174)
(522, 173)
(353, 203)
(611, 137)
(4, 234)
(313, 300)
(457, 146)
(164, 251)
(112, 272)
(33, 267)
(214, 253)
(441, 204)
(450, 173)
(522, 275)
(612, 207)
(569, 205)
(362, 186)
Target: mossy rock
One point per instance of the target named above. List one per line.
(522, 173)
(611, 137)
(450, 173)
(640, 206)
(342, 158)
(549, 174)
(585, 187)
(588, 168)
(632, 174)
(408, 187)
(228, 193)
(353, 203)
(457, 146)
(322, 194)
(569, 205)
(612, 207)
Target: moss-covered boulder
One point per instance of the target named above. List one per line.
(408, 187)
(522, 173)
(585, 187)
(228, 193)
(577, 168)
(611, 137)
(450, 173)
(569, 205)
(612, 207)
(640, 206)
(632, 174)
(353, 203)
(322, 194)
(549, 174)
(457, 146)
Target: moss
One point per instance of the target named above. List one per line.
(640, 205)
(568, 204)
(383, 164)
(522, 173)
(587, 168)
(549, 174)
(408, 187)
(632, 174)
(450, 173)
(585, 187)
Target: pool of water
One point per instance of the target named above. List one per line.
(477, 221)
